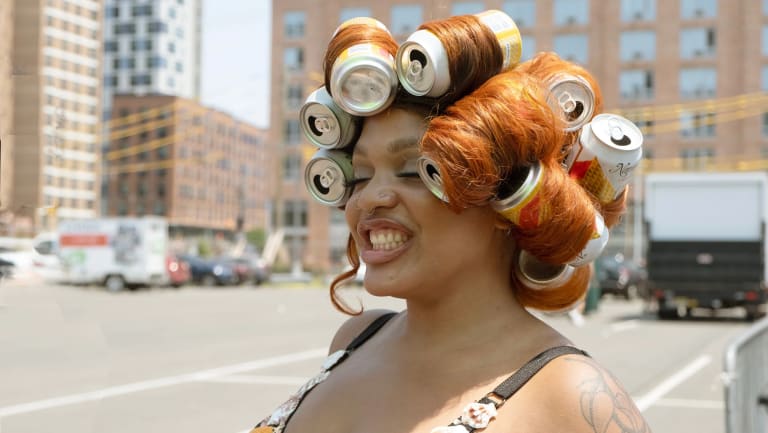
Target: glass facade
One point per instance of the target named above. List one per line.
(571, 12)
(697, 42)
(698, 9)
(638, 10)
(698, 83)
(639, 45)
(636, 84)
(573, 47)
(294, 23)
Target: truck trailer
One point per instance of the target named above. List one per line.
(707, 241)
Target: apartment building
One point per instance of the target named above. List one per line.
(201, 168)
(691, 73)
(50, 141)
(6, 100)
(152, 47)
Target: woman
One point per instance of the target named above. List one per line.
(466, 354)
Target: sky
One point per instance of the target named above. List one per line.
(236, 58)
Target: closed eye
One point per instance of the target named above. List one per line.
(351, 183)
(409, 174)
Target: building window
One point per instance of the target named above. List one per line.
(142, 10)
(141, 80)
(696, 159)
(141, 45)
(571, 12)
(637, 46)
(765, 124)
(636, 84)
(765, 40)
(111, 80)
(111, 46)
(696, 43)
(113, 12)
(349, 13)
(698, 83)
(295, 213)
(406, 19)
(293, 24)
(293, 58)
(522, 11)
(124, 28)
(172, 12)
(467, 8)
(572, 47)
(124, 63)
(693, 124)
(764, 79)
(156, 62)
(294, 96)
(697, 9)
(291, 167)
(529, 47)
(638, 10)
(157, 27)
(292, 131)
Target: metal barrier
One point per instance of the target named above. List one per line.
(746, 381)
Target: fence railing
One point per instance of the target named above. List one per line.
(745, 373)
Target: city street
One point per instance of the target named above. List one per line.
(197, 360)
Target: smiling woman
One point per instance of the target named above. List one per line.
(466, 205)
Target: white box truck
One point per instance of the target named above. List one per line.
(707, 243)
(116, 252)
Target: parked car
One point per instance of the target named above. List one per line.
(621, 277)
(178, 271)
(249, 268)
(6, 268)
(208, 272)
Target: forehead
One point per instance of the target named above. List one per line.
(394, 130)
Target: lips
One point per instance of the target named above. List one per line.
(383, 240)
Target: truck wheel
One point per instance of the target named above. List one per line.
(114, 283)
(753, 312)
(667, 313)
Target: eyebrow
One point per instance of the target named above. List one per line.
(402, 144)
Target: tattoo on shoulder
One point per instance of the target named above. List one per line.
(605, 405)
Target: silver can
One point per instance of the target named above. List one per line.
(538, 275)
(572, 98)
(422, 65)
(429, 173)
(364, 80)
(327, 175)
(608, 150)
(595, 245)
(325, 124)
(520, 202)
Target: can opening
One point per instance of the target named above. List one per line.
(318, 181)
(312, 121)
(419, 57)
(618, 137)
(575, 112)
(512, 182)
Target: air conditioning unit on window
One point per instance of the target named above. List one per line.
(698, 53)
(637, 55)
(698, 13)
(570, 20)
(638, 16)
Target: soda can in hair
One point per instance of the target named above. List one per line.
(363, 79)
(327, 175)
(595, 245)
(519, 199)
(430, 175)
(535, 274)
(572, 98)
(363, 21)
(507, 34)
(325, 124)
(608, 150)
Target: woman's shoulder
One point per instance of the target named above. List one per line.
(585, 395)
(354, 326)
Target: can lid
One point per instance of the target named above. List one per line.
(540, 275)
(364, 82)
(616, 131)
(422, 65)
(320, 124)
(325, 179)
(572, 98)
(430, 175)
(519, 185)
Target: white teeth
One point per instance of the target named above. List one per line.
(387, 239)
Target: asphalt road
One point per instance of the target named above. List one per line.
(200, 360)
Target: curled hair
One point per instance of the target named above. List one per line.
(554, 298)
(474, 54)
(354, 260)
(351, 35)
(483, 137)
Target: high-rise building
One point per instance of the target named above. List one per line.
(690, 73)
(201, 168)
(152, 47)
(50, 129)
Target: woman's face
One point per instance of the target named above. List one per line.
(407, 237)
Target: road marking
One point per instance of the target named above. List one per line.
(615, 328)
(654, 395)
(690, 403)
(264, 380)
(146, 385)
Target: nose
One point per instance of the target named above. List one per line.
(375, 194)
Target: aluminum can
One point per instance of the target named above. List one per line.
(422, 65)
(607, 152)
(535, 274)
(422, 62)
(572, 98)
(325, 124)
(327, 175)
(363, 79)
(507, 34)
(430, 175)
(595, 245)
(523, 206)
(363, 21)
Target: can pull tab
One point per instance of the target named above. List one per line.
(617, 134)
(323, 124)
(415, 71)
(571, 106)
(324, 180)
